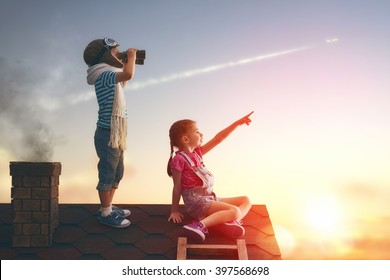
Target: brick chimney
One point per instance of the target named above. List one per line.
(34, 202)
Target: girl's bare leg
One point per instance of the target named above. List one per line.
(241, 202)
(227, 210)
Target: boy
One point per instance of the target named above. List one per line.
(109, 74)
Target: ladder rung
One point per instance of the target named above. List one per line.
(211, 246)
(182, 247)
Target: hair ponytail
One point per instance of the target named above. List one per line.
(169, 171)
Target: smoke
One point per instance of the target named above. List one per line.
(24, 132)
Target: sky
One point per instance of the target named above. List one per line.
(315, 73)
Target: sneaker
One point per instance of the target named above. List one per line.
(233, 229)
(114, 220)
(124, 213)
(196, 231)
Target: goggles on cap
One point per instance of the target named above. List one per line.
(108, 43)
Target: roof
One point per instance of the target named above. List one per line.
(150, 236)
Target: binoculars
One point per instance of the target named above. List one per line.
(139, 59)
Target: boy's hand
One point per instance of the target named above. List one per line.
(176, 217)
(245, 119)
(131, 54)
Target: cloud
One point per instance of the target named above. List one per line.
(372, 241)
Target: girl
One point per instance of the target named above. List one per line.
(194, 182)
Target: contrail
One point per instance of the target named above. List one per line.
(194, 72)
(208, 69)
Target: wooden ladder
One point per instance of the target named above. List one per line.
(210, 249)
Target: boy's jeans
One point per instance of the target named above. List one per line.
(110, 166)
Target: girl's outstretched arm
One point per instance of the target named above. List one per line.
(222, 135)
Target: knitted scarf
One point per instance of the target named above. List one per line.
(118, 117)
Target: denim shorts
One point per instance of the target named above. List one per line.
(110, 165)
(198, 200)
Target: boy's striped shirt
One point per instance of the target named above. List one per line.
(105, 88)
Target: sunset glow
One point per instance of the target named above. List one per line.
(324, 214)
